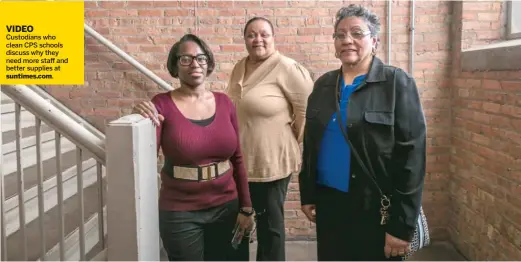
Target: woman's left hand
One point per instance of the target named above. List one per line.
(245, 222)
(395, 247)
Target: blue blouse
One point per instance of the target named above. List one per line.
(334, 158)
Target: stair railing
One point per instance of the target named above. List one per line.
(87, 138)
(86, 143)
(164, 85)
(57, 119)
(66, 110)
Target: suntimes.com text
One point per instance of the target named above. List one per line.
(28, 76)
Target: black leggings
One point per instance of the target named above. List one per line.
(199, 235)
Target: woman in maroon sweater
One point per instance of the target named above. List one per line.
(204, 190)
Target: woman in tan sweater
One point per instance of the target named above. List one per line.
(270, 92)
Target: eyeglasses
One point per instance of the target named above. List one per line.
(358, 35)
(186, 60)
(254, 35)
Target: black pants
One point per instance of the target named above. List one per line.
(344, 232)
(268, 201)
(199, 235)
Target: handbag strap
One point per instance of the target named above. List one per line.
(385, 200)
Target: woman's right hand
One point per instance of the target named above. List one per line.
(310, 212)
(245, 223)
(148, 110)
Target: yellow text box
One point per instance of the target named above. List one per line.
(42, 42)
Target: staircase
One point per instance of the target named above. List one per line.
(55, 194)
(43, 218)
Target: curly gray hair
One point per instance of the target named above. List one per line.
(354, 10)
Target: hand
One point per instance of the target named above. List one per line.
(245, 222)
(310, 212)
(395, 247)
(148, 110)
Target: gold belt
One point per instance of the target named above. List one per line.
(203, 172)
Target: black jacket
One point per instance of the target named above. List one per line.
(386, 126)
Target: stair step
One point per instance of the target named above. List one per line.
(29, 155)
(72, 242)
(8, 120)
(8, 116)
(49, 170)
(50, 195)
(51, 229)
(27, 142)
(10, 136)
(9, 108)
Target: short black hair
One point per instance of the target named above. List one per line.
(171, 62)
(259, 18)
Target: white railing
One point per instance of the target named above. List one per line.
(57, 119)
(42, 93)
(131, 210)
(164, 85)
(68, 135)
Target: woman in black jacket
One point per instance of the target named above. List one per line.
(364, 149)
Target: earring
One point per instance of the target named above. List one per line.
(336, 54)
(374, 51)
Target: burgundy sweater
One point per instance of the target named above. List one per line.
(187, 143)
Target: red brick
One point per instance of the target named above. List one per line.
(105, 112)
(247, 4)
(96, 13)
(514, 86)
(499, 133)
(150, 12)
(288, 12)
(232, 12)
(90, 4)
(108, 94)
(491, 84)
(318, 11)
(274, 3)
(165, 4)
(134, 4)
(259, 12)
(112, 4)
(494, 16)
(181, 12)
(232, 48)
(220, 4)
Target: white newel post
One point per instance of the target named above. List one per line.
(132, 190)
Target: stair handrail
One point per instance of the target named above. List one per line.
(40, 91)
(162, 83)
(57, 119)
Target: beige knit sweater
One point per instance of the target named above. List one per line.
(271, 106)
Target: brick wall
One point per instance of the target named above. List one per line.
(485, 218)
(482, 23)
(146, 30)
